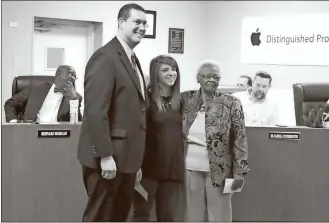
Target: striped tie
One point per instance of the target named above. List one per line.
(134, 64)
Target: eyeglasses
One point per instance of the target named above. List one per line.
(208, 76)
(73, 78)
(139, 22)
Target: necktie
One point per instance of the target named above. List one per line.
(134, 64)
(56, 90)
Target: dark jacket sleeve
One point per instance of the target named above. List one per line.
(19, 100)
(99, 88)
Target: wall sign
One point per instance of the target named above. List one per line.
(286, 40)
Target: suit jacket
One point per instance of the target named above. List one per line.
(30, 100)
(114, 121)
(225, 133)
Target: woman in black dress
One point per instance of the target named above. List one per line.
(163, 170)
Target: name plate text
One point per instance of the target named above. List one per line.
(54, 133)
(285, 135)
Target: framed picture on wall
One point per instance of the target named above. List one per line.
(151, 23)
(176, 41)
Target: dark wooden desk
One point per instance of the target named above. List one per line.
(42, 178)
(289, 180)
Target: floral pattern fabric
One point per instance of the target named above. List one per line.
(225, 133)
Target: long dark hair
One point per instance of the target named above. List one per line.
(154, 82)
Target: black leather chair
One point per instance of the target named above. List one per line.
(21, 82)
(307, 97)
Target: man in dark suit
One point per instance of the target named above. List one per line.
(112, 139)
(46, 103)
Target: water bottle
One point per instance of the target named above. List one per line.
(74, 115)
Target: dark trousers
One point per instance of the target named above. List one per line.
(108, 200)
(166, 194)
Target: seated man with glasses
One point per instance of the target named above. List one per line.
(46, 103)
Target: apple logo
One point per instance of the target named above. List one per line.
(254, 38)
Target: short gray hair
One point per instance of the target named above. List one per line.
(208, 63)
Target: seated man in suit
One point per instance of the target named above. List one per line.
(46, 103)
(258, 109)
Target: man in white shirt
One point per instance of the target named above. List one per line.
(46, 103)
(258, 109)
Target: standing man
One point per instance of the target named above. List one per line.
(112, 139)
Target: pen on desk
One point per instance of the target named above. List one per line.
(29, 121)
(281, 125)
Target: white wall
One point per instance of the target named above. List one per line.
(73, 40)
(224, 41)
(17, 42)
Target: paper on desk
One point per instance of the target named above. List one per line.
(140, 189)
(228, 186)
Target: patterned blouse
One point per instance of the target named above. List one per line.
(225, 133)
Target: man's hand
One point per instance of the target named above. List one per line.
(138, 176)
(69, 91)
(238, 181)
(109, 167)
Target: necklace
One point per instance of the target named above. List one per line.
(166, 101)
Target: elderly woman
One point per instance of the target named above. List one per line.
(215, 146)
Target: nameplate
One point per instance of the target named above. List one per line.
(54, 133)
(285, 135)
